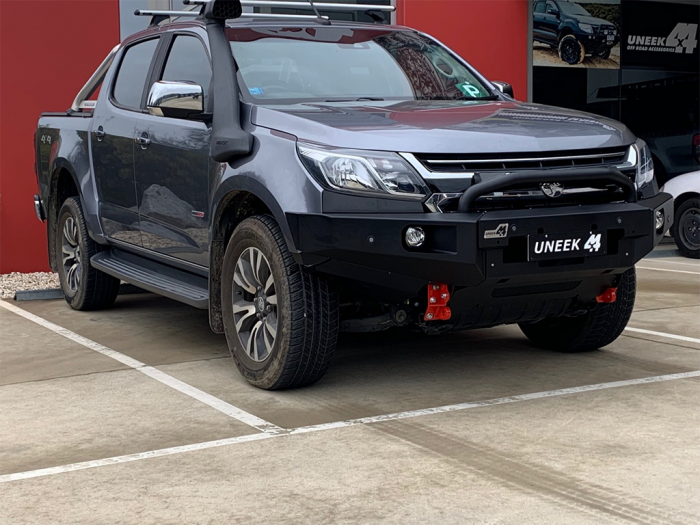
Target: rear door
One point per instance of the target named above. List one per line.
(113, 128)
(173, 169)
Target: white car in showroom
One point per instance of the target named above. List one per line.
(686, 225)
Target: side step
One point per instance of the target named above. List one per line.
(155, 277)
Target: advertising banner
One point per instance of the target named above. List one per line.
(583, 34)
(662, 36)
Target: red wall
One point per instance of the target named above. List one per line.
(490, 34)
(48, 49)
(45, 60)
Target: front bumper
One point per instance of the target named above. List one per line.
(370, 249)
(597, 42)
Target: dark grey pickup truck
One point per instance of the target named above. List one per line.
(298, 178)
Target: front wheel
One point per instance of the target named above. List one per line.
(594, 330)
(280, 319)
(686, 228)
(571, 50)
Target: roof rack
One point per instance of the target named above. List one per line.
(159, 16)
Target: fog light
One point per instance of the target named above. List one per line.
(415, 237)
(659, 220)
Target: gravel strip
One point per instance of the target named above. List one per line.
(11, 282)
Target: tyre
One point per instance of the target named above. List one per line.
(280, 319)
(686, 228)
(571, 50)
(84, 287)
(603, 53)
(596, 329)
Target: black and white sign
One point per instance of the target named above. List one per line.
(661, 36)
(566, 245)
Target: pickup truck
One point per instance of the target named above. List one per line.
(300, 177)
(572, 30)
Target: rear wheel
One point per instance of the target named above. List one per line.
(686, 228)
(84, 287)
(571, 50)
(596, 329)
(280, 320)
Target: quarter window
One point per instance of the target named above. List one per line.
(188, 61)
(133, 72)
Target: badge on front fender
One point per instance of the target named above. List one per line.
(566, 245)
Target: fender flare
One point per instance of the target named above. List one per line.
(91, 215)
(251, 185)
(217, 246)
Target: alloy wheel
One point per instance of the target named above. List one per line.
(70, 245)
(255, 304)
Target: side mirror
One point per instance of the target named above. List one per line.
(175, 99)
(554, 12)
(504, 87)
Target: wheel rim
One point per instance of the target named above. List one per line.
(568, 52)
(255, 304)
(70, 244)
(689, 228)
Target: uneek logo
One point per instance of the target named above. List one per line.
(683, 36)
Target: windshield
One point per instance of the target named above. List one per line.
(573, 9)
(341, 64)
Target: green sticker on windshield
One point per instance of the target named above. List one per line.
(469, 90)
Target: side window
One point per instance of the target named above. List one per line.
(539, 7)
(551, 6)
(133, 72)
(188, 60)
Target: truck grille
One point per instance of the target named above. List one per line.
(511, 162)
(487, 166)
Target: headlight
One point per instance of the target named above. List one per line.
(645, 164)
(363, 171)
(586, 28)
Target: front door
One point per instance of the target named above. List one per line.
(172, 164)
(113, 128)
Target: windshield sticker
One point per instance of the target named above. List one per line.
(256, 91)
(469, 90)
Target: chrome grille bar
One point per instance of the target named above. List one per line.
(524, 159)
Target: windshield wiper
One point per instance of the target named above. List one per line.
(354, 99)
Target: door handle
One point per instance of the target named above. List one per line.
(100, 134)
(143, 140)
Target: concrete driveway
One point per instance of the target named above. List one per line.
(137, 415)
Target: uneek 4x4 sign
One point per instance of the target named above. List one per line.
(566, 245)
(661, 36)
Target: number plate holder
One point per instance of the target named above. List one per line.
(566, 245)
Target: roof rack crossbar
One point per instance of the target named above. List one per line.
(167, 14)
(306, 5)
(151, 12)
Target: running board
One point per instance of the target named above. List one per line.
(155, 277)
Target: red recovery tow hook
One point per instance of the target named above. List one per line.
(608, 296)
(438, 297)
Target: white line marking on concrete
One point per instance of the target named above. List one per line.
(662, 334)
(666, 270)
(668, 260)
(154, 373)
(341, 424)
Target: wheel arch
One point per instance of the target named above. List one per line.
(63, 184)
(565, 30)
(682, 198)
(237, 199)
